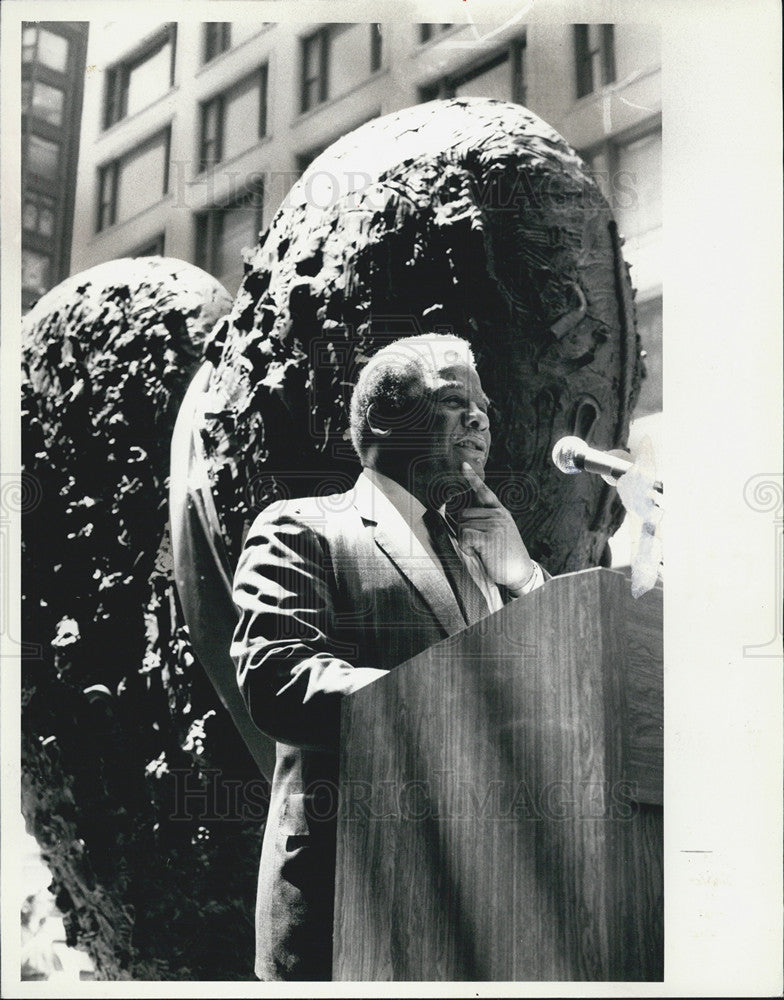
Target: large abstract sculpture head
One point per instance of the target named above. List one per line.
(466, 216)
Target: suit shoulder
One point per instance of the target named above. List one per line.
(317, 513)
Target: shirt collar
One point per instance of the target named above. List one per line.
(405, 503)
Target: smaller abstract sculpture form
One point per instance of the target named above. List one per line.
(118, 720)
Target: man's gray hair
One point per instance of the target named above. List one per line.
(397, 375)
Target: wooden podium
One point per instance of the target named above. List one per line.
(501, 798)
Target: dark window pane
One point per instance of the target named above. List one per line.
(315, 56)
(428, 31)
(594, 57)
(263, 75)
(217, 38)
(608, 53)
(582, 58)
(223, 233)
(113, 111)
(375, 47)
(211, 114)
(107, 185)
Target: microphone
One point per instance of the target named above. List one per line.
(572, 455)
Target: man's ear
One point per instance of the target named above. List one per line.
(376, 423)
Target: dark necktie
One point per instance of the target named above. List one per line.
(470, 598)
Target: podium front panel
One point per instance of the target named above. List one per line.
(499, 813)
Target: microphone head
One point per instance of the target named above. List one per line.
(567, 454)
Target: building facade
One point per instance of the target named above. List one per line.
(193, 133)
(53, 60)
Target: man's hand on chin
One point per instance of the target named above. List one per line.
(488, 530)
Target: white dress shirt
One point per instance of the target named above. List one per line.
(396, 505)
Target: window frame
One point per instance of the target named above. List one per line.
(30, 109)
(376, 47)
(585, 52)
(321, 39)
(118, 76)
(214, 47)
(219, 101)
(513, 53)
(263, 75)
(208, 231)
(111, 171)
(39, 178)
(428, 30)
(218, 104)
(30, 50)
(41, 202)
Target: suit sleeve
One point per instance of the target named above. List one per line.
(285, 648)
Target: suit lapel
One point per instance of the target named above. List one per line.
(420, 571)
(393, 536)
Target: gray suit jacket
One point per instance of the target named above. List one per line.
(326, 588)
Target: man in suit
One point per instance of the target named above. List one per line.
(334, 592)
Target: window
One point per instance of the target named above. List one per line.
(133, 182)
(336, 59)
(315, 66)
(428, 31)
(44, 46)
(222, 233)
(43, 101)
(43, 158)
(501, 76)
(594, 56)
(490, 79)
(211, 130)
(107, 195)
(36, 268)
(152, 249)
(138, 82)
(376, 41)
(29, 42)
(38, 214)
(227, 119)
(637, 186)
(217, 39)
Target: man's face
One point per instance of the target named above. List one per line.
(455, 427)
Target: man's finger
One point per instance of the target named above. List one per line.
(482, 491)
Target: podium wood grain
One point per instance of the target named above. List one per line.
(500, 811)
